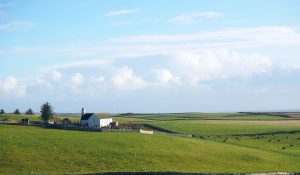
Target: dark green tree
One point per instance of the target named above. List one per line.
(29, 112)
(2, 111)
(17, 112)
(47, 111)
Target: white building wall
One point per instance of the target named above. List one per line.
(94, 122)
(105, 122)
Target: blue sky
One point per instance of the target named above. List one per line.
(150, 56)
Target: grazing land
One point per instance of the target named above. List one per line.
(29, 149)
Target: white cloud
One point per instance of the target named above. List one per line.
(258, 35)
(122, 12)
(11, 86)
(221, 64)
(8, 84)
(97, 80)
(55, 75)
(189, 18)
(164, 77)
(41, 83)
(78, 64)
(143, 45)
(14, 25)
(125, 79)
(77, 79)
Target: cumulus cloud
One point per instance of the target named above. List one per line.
(220, 64)
(189, 18)
(55, 75)
(99, 79)
(77, 79)
(10, 86)
(122, 12)
(165, 77)
(125, 79)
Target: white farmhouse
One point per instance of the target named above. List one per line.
(92, 120)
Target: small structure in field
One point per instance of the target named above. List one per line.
(144, 131)
(92, 120)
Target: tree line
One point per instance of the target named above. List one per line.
(17, 111)
(47, 111)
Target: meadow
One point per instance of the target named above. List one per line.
(29, 149)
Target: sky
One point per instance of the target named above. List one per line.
(150, 56)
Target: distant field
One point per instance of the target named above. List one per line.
(209, 116)
(26, 149)
(216, 124)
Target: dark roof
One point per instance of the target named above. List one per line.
(86, 116)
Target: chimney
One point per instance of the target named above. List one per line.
(82, 111)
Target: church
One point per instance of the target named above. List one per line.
(92, 120)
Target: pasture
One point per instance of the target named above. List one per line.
(27, 149)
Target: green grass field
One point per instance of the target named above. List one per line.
(203, 128)
(283, 143)
(26, 149)
(208, 116)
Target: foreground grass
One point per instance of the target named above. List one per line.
(25, 149)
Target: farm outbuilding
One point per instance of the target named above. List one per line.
(93, 120)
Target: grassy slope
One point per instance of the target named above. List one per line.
(26, 149)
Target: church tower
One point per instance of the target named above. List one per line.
(82, 111)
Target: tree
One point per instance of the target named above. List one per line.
(17, 111)
(2, 111)
(29, 112)
(46, 111)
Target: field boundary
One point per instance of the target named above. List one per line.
(179, 173)
(166, 131)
